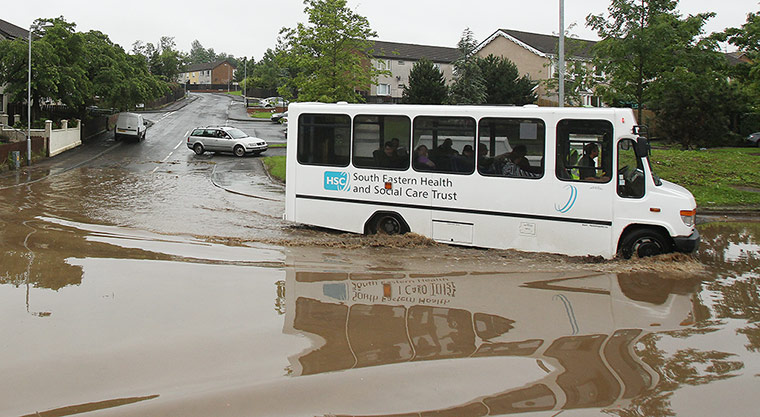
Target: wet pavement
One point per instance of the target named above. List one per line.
(147, 280)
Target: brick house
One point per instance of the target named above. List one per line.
(536, 55)
(9, 31)
(399, 58)
(219, 72)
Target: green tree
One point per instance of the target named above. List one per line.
(634, 47)
(14, 66)
(164, 60)
(120, 80)
(655, 58)
(503, 82)
(200, 55)
(427, 84)
(267, 73)
(469, 87)
(73, 68)
(747, 39)
(329, 54)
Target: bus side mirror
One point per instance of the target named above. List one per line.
(642, 147)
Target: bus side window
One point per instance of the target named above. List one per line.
(630, 171)
(444, 144)
(584, 150)
(381, 142)
(511, 147)
(324, 139)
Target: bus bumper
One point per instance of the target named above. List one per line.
(687, 244)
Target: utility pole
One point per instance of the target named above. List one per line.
(29, 105)
(561, 66)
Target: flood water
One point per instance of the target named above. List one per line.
(125, 306)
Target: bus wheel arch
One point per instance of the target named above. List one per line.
(644, 240)
(386, 222)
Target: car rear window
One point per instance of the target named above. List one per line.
(237, 133)
(197, 132)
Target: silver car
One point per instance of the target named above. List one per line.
(224, 139)
(753, 139)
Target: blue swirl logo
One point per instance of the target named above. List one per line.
(570, 201)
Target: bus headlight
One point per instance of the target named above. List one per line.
(689, 217)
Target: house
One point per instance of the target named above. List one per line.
(9, 31)
(536, 55)
(219, 72)
(399, 58)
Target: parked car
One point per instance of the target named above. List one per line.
(754, 139)
(276, 117)
(130, 126)
(274, 102)
(224, 139)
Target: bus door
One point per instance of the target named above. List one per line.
(582, 197)
(630, 182)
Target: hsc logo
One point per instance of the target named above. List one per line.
(337, 181)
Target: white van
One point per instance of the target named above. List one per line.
(130, 126)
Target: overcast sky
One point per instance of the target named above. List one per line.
(249, 28)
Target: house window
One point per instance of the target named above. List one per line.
(382, 64)
(402, 63)
(383, 89)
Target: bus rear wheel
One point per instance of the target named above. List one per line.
(387, 224)
(643, 243)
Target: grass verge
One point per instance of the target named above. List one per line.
(720, 177)
(276, 166)
(261, 115)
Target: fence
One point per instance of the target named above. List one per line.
(203, 88)
(176, 93)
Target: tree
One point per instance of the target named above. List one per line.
(329, 54)
(655, 58)
(267, 73)
(199, 54)
(469, 86)
(503, 83)
(427, 84)
(73, 68)
(747, 39)
(632, 51)
(120, 80)
(164, 60)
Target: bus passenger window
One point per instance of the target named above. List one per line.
(381, 142)
(444, 144)
(324, 139)
(511, 147)
(584, 150)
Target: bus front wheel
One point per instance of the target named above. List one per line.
(387, 224)
(643, 243)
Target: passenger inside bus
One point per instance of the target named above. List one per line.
(515, 164)
(421, 160)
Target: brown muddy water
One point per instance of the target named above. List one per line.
(110, 307)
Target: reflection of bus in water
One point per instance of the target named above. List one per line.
(580, 329)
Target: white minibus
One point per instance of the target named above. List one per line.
(575, 181)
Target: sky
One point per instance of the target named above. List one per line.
(249, 28)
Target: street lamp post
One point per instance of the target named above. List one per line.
(29, 105)
(29, 98)
(561, 53)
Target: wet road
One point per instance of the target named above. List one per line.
(134, 284)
